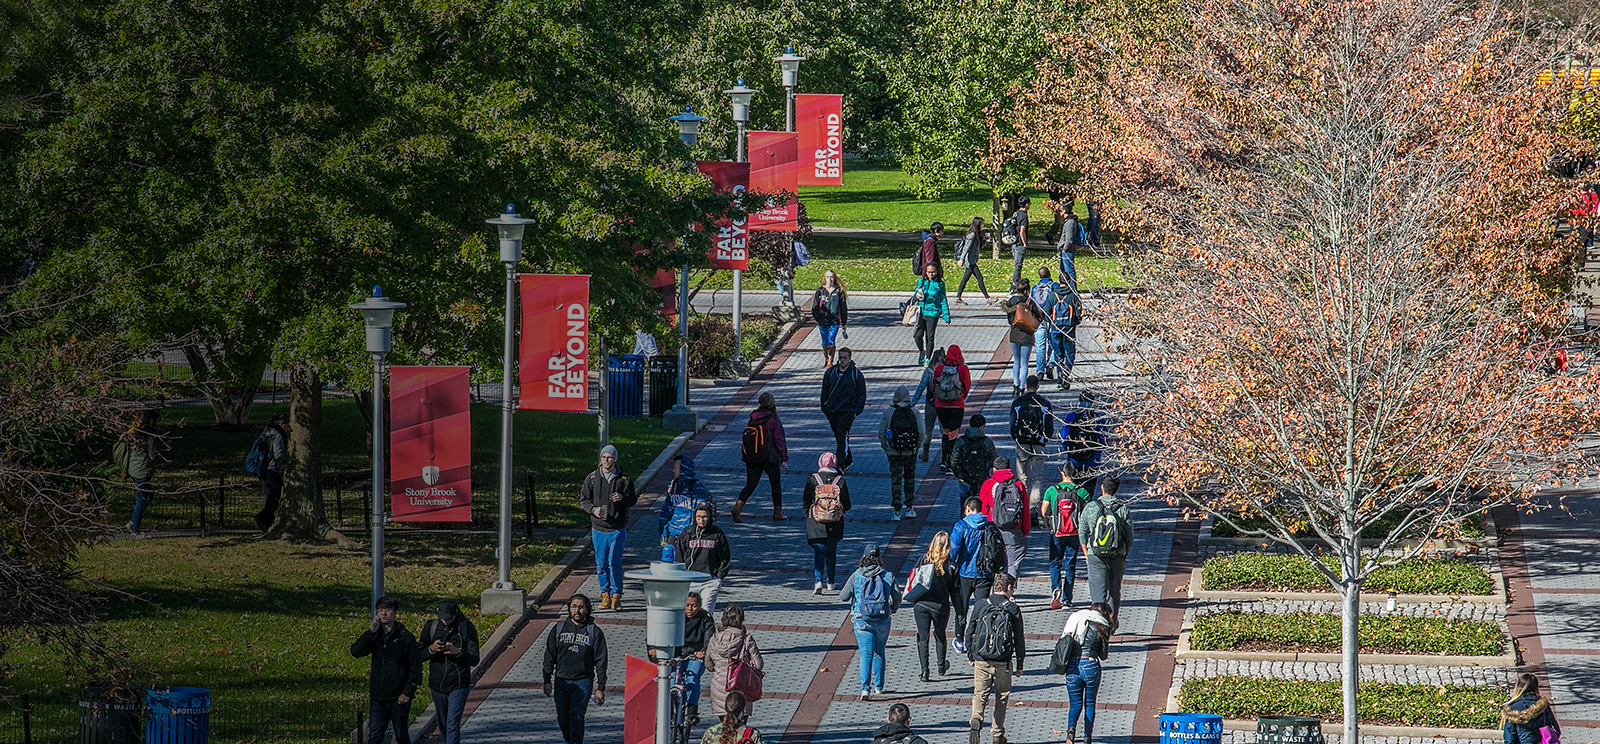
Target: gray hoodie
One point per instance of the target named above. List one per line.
(902, 399)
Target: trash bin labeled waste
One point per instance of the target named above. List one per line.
(109, 715)
(625, 385)
(1191, 728)
(1288, 730)
(663, 385)
(178, 715)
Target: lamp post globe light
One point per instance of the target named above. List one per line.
(740, 96)
(503, 597)
(688, 125)
(789, 64)
(680, 417)
(377, 316)
(666, 590)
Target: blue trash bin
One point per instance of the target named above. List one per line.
(178, 715)
(625, 385)
(1191, 728)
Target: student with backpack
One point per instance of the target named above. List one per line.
(978, 553)
(1082, 650)
(968, 251)
(928, 253)
(830, 307)
(844, 397)
(825, 501)
(450, 643)
(764, 450)
(1043, 294)
(268, 455)
(929, 297)
(1107, 533)
(952, 380)
(1014, 233)
(873, 597)
(902, 432)
(1083, 438)
(974, 454)
(996, 646)
(1066, 312)
(1060, 508)
(1033, 428)
(135, 457)
(1005, 503)
(1026, 318)
(683, 495)
(924, 394)
(932, 587)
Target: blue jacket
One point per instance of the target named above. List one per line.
(684, 494)
(964, 542)
(1523, 718)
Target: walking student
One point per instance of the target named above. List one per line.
(395, 674)
(968, 251)
(607, 495)
(898, 729)
(924, 394)
(1527, 716)
(1005, 503)
(1060, 508)
(844, 397)
(1072, 236)
(873, 598)
(1025, 318)
(1033, 428)
(996, 647)
(732, 727)
(1089, 632)
(825, 500)
(275, 454)
(929, 295)
(135, 454)
(1043, 294)
(974, 457)
(764, 450)
(1108, 534)
(1064, 317)
(952, 380)
(704, 547)
(731, 643)
(932, 588)
(902, 432)
(683, 496)
(698, 628)
(1014, 232)
(451, 643)
(975, 566)
(830, 307)
(575, 661)
(928, 252)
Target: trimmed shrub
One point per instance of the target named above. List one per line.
(711, 341)
(1376, 703)
(1293, 573)
(1310, 632)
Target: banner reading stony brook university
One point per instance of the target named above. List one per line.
(430, 444)
(819, 119)
(553, 367)
(730, 246)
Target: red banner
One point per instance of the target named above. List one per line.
(730, 247)
(553, 369)
(430, 444)
(819, 119)
(639, 701)
(774, 162)
(782, 216)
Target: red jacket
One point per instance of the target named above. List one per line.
(986, 495)
(953, 357)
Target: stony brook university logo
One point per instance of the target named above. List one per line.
(430, 474)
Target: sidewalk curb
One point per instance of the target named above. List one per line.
(428, 720)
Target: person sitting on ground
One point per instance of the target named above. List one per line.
(898, 729)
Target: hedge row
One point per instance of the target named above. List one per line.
(1469, 528)
(1293, 573)
(1377, 703)
(1310, 632)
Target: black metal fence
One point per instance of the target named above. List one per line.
(23, 721)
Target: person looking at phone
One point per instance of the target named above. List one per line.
(452, 648)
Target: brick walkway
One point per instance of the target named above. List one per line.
(809, 648)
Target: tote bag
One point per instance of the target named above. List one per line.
(743, 677)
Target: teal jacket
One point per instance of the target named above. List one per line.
(933, 300)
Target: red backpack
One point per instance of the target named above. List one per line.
(1064, 521)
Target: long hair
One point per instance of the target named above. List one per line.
(733, 617)
(737, 713)
(1526, 684)
(937, 358)
(837, 281)
(976, 226)
(938, 554)
(873, 558)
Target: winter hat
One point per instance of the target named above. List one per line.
(608, 450)
(827, 462)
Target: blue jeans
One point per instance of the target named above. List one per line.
(872, 636)
(1063, 565)
(1069, 267)
(1065, 349)
(382, 715)
(1083, 686)
(572, 704)
(1041, 348)
(1020, 353)
(824, 560)
(143, 494)
(829, 334)
(448, 706)
(608, 560)
(692, 669)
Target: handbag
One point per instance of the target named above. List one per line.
(910, 310)
(920, 581)
(1065, 658)
(743, 677)
(1549, 735)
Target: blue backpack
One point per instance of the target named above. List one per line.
(257, 458)
(872, 597)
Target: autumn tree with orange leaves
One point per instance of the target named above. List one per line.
(1346, 267)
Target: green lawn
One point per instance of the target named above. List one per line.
(265, 626)
(875, 197)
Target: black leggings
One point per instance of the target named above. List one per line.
(752, 476)
(972, 271)
(927, 325)
(931, 617)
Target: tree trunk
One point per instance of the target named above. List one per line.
(300, 516)
(999, 215)
(1351, 668)
(230, 398)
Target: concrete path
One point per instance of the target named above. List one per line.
(810, 649)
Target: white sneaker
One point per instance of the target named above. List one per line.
(864, 694)
(910, 513)
(877, 691)
(817, 589)
(833, 588)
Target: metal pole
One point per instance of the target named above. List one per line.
(738, 279)
(788, 110)
(683, 330)
(663, 701)
(603, 405)
(377, 479)
(508, 406)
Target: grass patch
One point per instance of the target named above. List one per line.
(876, 196)
(1293, 573)
(1311, 632)
(265, 626)
(1377, 703)
(1468, 528)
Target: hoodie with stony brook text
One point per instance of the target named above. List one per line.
(573, 651)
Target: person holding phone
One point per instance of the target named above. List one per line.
(396, 672)
(452, 647)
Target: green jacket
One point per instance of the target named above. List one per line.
(934, 304)
(142, 457)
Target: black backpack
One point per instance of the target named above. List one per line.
(903, 431)
(991, 551)
(991, 638)
(1029, 416)
(973, 460)
(754, 445)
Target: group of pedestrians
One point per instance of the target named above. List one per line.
(448, 643)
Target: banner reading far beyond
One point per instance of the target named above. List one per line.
(430, 444)
(730, 246)
(819, 119)
(553, 368)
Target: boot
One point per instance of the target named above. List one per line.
(976, 729)
(616, 602)
(738, 509)
(694, 715)
(605, 600)
(827, 356)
